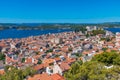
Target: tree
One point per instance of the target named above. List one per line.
(78, 54)
(87, 35)
(95, 69)
(117, 60)
(2, 56)
(92, 70)
(23, 60)
(50, 50)
(109, 58)
(104, 49)
(39, 61)
(96, 32)
(70, 49)
(86, 71)
(13, 73)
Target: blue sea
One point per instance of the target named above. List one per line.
(114, 30)
(14, 33)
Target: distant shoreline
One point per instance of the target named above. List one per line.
(43, 26)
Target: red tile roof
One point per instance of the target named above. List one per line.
(28, 60)
(64, 66)
(43, 76)
(38, 67)
(56, 77)
(2, 71)
(48, 61)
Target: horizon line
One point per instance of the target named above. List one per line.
(59, 22)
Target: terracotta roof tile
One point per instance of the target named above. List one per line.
(64, 66)
(38, 67)
(48, 61)
(43, 76)
(57, 77)
(2, 71)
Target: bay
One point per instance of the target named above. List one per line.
(114, 30)
(14, 33)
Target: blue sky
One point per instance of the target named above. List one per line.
(73, 11)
